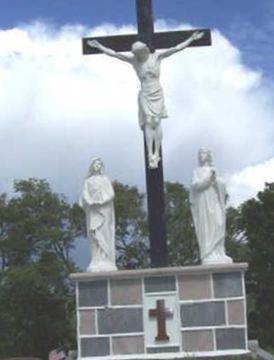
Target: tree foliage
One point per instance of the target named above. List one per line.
(236, 241)
(131, 227)
(37, 234)
(257, 224)
(182, 244)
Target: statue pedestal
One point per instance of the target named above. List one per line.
(162, 313)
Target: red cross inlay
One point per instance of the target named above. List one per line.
(161, 313)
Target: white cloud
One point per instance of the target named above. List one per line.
(246, 183)
(59, 108)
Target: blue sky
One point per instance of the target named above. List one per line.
(247, 23)
(214, 13)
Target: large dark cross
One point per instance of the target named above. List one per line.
(161, 313)
(154, 177)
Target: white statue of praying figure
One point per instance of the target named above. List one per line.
(208, 197)
(97, 201)
(151, 98)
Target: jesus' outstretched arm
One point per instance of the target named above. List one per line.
(168, 52)
(110, 52)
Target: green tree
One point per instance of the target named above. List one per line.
(37, 232)
(131, 227)
(182, 243)
(236, 241)
(257, 224)
(4, 226)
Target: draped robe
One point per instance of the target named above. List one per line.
(208, 211)
(97, 200)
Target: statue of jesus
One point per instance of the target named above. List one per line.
(151, 98)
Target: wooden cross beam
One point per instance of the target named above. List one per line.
(160, 40)
(154, 177)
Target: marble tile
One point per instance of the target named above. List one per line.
(160, 284)
(126, 292)
(128, 345)
(120, 321)
(193, 287)
(203, 314)
(93, 293)
(99, 346)
(227, 284)
(198, 340)
(228, 339)
(87, 322)
(236, 312)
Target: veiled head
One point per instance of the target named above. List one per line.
(205, 157)
(140, 50)
(96, 167)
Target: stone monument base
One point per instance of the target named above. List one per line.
(162, 313)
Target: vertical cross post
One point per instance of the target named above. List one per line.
(154, 177)
(145, 22)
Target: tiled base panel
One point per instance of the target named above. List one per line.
(203, 312)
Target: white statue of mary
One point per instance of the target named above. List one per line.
(97, 200)
(208, 197)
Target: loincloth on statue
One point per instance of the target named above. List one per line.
(151, 105)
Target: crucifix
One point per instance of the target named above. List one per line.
(146, 63)
(161, 313)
